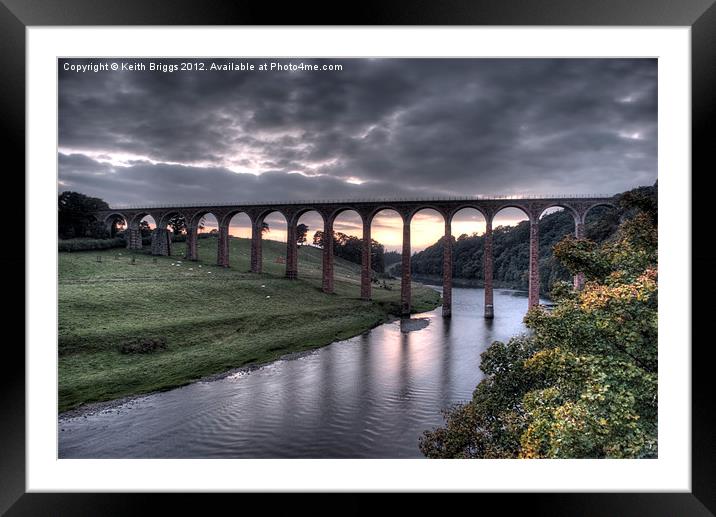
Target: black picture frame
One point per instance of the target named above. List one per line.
(700, 15)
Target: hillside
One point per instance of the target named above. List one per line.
(210, 319)
(511, 250)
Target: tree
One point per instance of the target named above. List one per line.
(584, 384)
(350, 248)
(144, 229)
(265, 228)
(75, 216)
(301, 232)
(177, 223)
(377, 256)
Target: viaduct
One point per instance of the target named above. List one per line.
(533, 208)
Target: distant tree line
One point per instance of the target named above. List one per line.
(391, 257)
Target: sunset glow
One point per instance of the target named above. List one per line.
(426, 228)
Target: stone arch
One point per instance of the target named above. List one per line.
(487, 259)
(597, 204)
(421, 207)
(362, 230)
(333, 215)
(555, 270)
(370, 215)
(137, 218)
(110, 222)
(194, 218)
(226, 219)
(357, 214)
(504, 265)
(161, 237)
(303, 211)
(166, 216)
(564, 206)
(314, 223)
(315, 218)
(432, 212)
(228, 216)
(522, 208)
(464, 206)
(261, 216)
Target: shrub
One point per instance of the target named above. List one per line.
(90, 244)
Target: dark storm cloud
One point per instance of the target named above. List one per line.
(402, 126)
(147, 183)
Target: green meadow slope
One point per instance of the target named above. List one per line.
(212, 319)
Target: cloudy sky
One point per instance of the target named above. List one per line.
(375, 128)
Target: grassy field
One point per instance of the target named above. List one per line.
(213, 319)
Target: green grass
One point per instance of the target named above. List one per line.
(213, 319)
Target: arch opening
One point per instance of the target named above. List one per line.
(386, 227)
(200, 232)
(360, 263)
(239, 226)
(309, 244)
(427, 228)
(175, 222)
(270, 252)
(468, 227)
(171, 228)
(511, 250)
(139, 231)
(230, 235)
(555, 223)
(116, 225)
(601, 222)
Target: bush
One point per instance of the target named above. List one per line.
(143, 346)
(90, 244)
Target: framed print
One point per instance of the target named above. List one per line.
(383, 118)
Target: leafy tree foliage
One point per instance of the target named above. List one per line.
(144, 229)
(301, 232)
(178, 224)
(75, 217)
(584, 383)
(350, 248)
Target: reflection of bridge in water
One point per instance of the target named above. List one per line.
(533, 208)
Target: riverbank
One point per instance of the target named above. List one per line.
(201, 319)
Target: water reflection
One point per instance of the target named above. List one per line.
(367, 397)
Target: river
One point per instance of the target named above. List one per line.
(370, 396)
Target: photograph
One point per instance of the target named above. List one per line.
(358, 257)
(412, 251)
